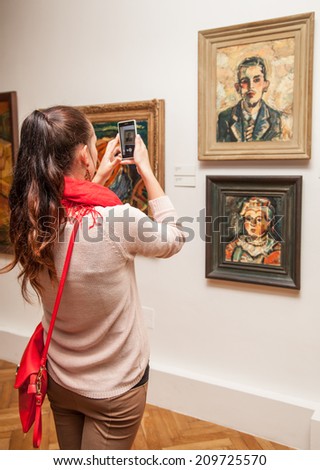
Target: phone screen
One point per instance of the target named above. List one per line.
(127, 133)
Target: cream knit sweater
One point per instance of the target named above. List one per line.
(99, 347)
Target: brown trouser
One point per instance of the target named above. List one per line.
(96, 424)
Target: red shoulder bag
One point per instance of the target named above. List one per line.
(32, 378)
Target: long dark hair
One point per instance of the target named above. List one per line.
(48, 142)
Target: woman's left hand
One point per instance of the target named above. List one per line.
(110, 161)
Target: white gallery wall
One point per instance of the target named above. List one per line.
(237, 354)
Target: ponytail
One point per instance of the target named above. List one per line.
(49, 139)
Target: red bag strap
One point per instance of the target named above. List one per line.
(37, 430)
(60, 290)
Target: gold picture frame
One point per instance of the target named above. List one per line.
(285, 46)
(150, 116)
(9, 142)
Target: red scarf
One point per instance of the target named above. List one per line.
(80, 197)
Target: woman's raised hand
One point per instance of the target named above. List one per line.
(110, 161)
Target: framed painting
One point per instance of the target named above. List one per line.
(8, 150)
(149, 115)
(253, 226)
(255, 90)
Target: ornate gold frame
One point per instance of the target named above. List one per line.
(243, 37)
(152, 111)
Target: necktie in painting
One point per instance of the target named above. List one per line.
(249, 130)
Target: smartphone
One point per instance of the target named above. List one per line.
(127, 132)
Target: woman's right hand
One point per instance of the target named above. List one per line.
(140, 158)
(143, 165)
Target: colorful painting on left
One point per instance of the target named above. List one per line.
(8, 151)
(149, 115)
(126, 182)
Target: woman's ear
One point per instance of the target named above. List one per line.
(83, 156)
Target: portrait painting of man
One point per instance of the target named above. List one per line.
(255, 90)
(251, 107)
(251, 118)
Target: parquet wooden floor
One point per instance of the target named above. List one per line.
(160, 428)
